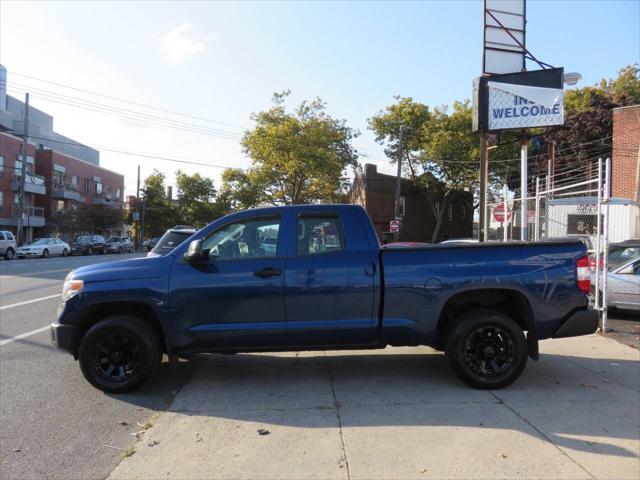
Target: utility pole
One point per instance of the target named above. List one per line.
(399, 181)
(552, 174)
(23, 170)
(484, 180)
(524, 213)
(138, 232)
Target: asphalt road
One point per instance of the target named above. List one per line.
(53, 423)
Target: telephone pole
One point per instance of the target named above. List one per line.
(138, 231)
(399, 181)
(23, 170)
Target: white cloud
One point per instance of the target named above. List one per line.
(179, 44)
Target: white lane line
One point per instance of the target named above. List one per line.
(27, 302)
(23, 335)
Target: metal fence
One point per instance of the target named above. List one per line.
(572, 206)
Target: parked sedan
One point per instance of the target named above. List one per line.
(89, 244)
(119, 245)
(623, 289)
(43, 247)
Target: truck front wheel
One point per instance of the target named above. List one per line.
(119, 353)
(487, 349)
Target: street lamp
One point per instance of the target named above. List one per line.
(571, 78)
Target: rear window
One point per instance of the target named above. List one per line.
(169, 241)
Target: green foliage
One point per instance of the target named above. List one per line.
(89, 219)
(158, 213)
(197, 203)
(298, 157)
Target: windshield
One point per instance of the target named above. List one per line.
(41, 241)
(170, 240)
(113, 240)
(82, 238)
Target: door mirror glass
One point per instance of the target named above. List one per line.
(195, 252)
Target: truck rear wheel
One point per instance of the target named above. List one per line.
(487, 349)
(119, 353)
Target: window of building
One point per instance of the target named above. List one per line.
(118, 192)
(450, 212)
(1, 199)
(1, 165)
(317, 235)
(87, 185)
(401, 208)
(59, 206)
(74, 182)
(98, 187)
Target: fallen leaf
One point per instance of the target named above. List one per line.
(124, 423)
(17, 450)
(262, 431)
(153, 443)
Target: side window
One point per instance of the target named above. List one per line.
(318, 235)
(1, 236)
(250, 238)
(9, 236)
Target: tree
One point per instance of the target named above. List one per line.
(100, 217)
(158, 214)
(297, 157)
(196, 204)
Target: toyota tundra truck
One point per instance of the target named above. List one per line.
(315, 277)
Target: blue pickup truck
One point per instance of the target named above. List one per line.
(314, 277)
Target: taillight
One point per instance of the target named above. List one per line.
(583, 274)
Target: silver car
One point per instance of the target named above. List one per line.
(7, 245)
(623, 289)
(43, 247)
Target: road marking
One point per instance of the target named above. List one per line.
(27, 302)
(23, 335)
(33, 274)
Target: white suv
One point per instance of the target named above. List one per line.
(7, 245)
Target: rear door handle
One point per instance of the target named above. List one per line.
(268, 272)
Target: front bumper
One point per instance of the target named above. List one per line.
(28, 254)
(65, 337)
(583, 322)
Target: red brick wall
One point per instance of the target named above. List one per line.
(46, 159)
(376, 193)
(625, 164)
(10, 150)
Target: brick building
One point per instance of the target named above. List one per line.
(625, 162)
(376, 193)
(60, 173)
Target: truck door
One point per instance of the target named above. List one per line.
(329, 281)
(236, 299)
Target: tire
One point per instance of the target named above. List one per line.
(9, 254)
(45, 253)
(103, 250)
(487, 349)
(64, 252)
(90, 251)
(119, 250)
(119, 353)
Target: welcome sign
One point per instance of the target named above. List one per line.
(518, 100)
(523, 106)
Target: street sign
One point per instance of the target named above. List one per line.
(394, 226)
(135, 216)
(498, 213)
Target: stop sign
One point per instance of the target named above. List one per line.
(498, 213)
(394, 226)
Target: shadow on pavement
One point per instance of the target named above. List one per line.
(405, 391)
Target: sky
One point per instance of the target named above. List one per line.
(222, 61)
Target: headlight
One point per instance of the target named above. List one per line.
(71, 287)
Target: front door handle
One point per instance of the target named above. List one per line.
(268, 272)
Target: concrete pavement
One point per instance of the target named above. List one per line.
(399, 413)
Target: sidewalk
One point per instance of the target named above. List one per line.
(399, 413)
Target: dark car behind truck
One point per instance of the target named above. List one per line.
(88, 245)
(327, 284)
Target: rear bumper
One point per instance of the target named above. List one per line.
(65, 337)
(583, 322)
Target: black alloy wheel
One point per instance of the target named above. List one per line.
(45, 253)
(8, 255)
(487, 349)
(119, 353)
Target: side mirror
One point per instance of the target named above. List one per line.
(195, 253)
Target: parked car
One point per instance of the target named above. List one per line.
(327, 285)
(619, 253)
(623, 285)
(7, 245)
(150, 243)
(119, 245)
(44, 247)
(89, 244)
(171, 239)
